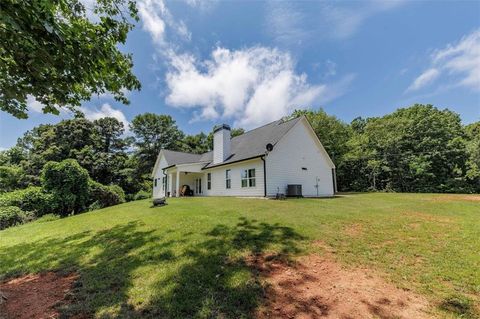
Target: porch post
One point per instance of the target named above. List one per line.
(177, 191)
(170, 184)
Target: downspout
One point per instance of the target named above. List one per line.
(334, 180)
(264, 176)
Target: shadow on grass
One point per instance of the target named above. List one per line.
(206, 278)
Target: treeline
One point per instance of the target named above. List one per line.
(416, 149)
(102, 148)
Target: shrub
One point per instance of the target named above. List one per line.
(101, 196)
(32, 199)
(67, 181)
(12, 215)
(119, 191)
(142, 195)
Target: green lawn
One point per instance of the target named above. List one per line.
(186, 259)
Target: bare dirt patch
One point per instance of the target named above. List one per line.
(35, 295)
(319, 287)
(421, 216)
(354, 230)
(454, 197)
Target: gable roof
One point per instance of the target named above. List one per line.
(249, 145)
(175, 158)
(252, 143)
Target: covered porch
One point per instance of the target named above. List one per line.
(190, 175)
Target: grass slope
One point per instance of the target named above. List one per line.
(186, 259)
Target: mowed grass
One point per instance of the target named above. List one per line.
(186, 260)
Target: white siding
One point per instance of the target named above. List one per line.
(158, 175)
(218, 180)
(296, 150)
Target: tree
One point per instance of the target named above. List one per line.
(11, 178)
(332, 132)
(233, 133)
(415, 149)
(196, 144)
(60, 55)
(109, 133)
(473, 150)
(152, 133)
(67, 181)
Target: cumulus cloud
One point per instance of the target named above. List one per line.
(106, 110)
(251, 86)
(458, 63)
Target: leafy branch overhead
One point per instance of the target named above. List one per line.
(61, 53)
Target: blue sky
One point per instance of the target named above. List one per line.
(248, 63)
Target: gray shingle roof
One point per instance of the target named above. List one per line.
(252, 143)
(174, 157)
(248, 145)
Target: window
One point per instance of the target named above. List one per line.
(209, 181)
(248, 178)
(164, 183)
(228, 181)
(156, 182)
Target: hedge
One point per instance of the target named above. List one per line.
(101, 196)
(142, 195)
(32, 199)
(12, 215)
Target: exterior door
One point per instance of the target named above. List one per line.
(198, 186)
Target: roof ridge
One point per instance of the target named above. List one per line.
(281, 119)
(166, 149)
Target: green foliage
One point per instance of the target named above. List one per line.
(333, 133)
(142, 195)
(101, 196)
(12, 215)
(152, 133)
(416, 149)
(196, 144)
(10, 178)
(53, 51)
(32, 198)
(67, 181)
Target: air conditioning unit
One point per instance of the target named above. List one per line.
(294, 190)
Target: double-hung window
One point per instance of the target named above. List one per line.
(228, 180)
(248, 178)
(209, 180)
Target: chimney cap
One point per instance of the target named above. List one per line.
(217, 128)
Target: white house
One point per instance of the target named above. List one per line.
(260, 162)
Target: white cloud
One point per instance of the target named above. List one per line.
(156, 17)
(292, 24)
(106, 110)
(458, 63)
(344, 21)
(462, 59)
(286, 23)
(33, 105)
(151, 13)
(251, 86)
(424, 79)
